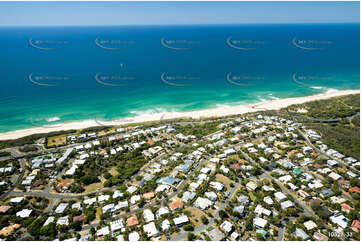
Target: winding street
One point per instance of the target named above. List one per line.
(18, 180)
(308, 141)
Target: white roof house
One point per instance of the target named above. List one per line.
(203, 203)
(131, 189)
(194, 186)
(24, 213)
(230, 152)
(116, 225)
(224, 169)
(332, 163)
(205, 170)
(211, 195)
(165, 225)
(108, 208)
(151, 230)
(63, 220)
(340, 220)
(310, 225)
(180, 220)
(216, 185)
(134, 199)
(334, 176)
(285, 178)
(103, 198)
(61, 208)
(134, 236)
(261, 210)
(17, 199)
(161, 211)
(90, 201)
(188, 196)
(103, 231)
(280, 196)
(117, 194)
(49, 220)
(227, 226)
(260, 222)
(122, 204)
(239, 209)
(148, 215)
(234, 235)
(268, 200)
(162, 188)
(214, 160)
(251, 185)
(287, 204)
(267, 188)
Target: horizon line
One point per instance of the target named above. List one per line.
(200, 24)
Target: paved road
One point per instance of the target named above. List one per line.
(306, 209)
(308, 141)
(18, 180)
(202, 228)
(283, 188)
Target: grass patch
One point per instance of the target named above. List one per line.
(196, 216)
(56, 140)
(225, 180)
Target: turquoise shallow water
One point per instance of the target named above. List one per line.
(55, 75)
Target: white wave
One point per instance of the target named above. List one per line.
(317, 87)
(218, 105)
(273, 97)
(53, 119)
(262, 99)
(330, 90)
(148, 111)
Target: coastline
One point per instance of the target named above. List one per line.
(214, 112)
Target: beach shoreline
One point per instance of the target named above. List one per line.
(214, 112)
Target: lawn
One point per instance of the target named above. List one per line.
(196, 214)
(56, 140)
(225, 180)
(113, 171)
(93, 187)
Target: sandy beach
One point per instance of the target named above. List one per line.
(215, 112)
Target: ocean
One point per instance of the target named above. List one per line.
(65, 74)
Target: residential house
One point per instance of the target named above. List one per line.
(148, 215)
(25, 213)
(132, 221)
(151, 230)
(227, 227)
(180, 220)
(301, 234)
(309, 225)
(259, 222)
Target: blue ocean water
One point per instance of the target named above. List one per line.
(63, 74)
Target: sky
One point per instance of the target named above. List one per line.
(174, 13)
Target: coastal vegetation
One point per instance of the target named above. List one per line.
(343, 133)
(31, 139)
(326, 109)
